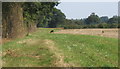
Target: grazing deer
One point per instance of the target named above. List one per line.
(102, 31)
(51, 31)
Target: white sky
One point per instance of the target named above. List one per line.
(77, 10)
(89, 0)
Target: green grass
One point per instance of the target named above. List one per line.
(80, 50)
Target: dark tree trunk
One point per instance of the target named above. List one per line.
(12, 18)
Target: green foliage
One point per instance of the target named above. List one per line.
(57, 18)
(37, 11)
(119, 19)
(73, 24)
(104, 19)
(114, 19)
(72, 27)
(114, 25)
(33, 10)
(7, 5)
(103, 25)
(93, 19)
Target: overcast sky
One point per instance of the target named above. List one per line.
(77, 10)
(89, 0)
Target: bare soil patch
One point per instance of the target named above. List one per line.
(112, 33)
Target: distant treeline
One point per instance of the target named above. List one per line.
(58, 19)
(93, 21)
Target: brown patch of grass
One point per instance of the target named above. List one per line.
(112, 33)
(10, 53)
(14, 54)
(4, 40)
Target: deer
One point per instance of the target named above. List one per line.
(51, 31)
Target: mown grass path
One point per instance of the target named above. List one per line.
(61, 50)
(57, 53)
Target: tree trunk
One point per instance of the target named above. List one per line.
(12, 18)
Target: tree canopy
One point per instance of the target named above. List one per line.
(93, 19)
(23, 17)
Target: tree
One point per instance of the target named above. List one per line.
(93, 19)
(104, 19)
(119, 19)
(23, 16)
(112, 20)
(43, 10)
(57, 18)
(13, 26)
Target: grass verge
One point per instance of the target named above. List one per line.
(78, 50)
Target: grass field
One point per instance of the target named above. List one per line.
(61, 50)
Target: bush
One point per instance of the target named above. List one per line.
(103, 25)
(72, 27)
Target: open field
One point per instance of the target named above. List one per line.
(60, 50)
(113, 33)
